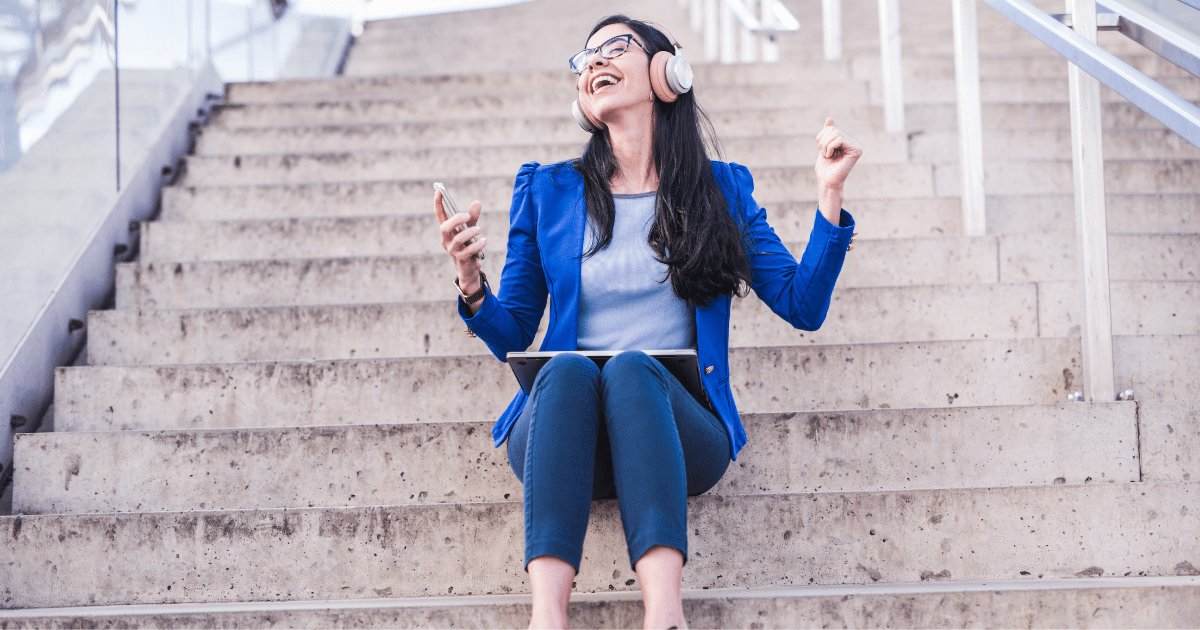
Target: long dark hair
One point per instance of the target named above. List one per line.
(693, 233)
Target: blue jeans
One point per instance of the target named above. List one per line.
(630, 431)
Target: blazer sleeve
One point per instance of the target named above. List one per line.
(797, 291)
(508, 321)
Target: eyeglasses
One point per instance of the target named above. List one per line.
(610, 49)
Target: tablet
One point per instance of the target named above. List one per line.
(682, 364)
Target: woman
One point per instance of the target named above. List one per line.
(639, 244)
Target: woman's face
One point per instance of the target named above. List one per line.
(611, 89)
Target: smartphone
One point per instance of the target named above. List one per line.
(452, 209)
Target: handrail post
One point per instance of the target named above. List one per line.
(970, 116)
(770, 49)
(749, 39)
(1091, 227)
(890, 55)
(729, 28)
(831, 24)
(712, 33)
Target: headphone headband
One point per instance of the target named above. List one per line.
(662, 29)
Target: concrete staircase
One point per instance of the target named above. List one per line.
(282, 424)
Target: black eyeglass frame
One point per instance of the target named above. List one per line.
(586, 53)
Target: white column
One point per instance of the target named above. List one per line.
(770, 49)
(729, 28)
(1091, 227)
(970, 117)
(891, 64)
(831, 24)
(696, 13)
(712, 32)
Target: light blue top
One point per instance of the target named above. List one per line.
(624, 301)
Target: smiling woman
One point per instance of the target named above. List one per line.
(639, 244)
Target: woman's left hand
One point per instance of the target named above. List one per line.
(837, 154)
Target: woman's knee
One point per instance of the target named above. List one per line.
(568, 369)
(629, 365)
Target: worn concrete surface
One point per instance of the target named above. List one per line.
(1144, 176)
(732, 127)
(483, 104)
(417, 233)
(1130, 257)
(1054, 144)
(1058, 531)
(847, 451)
(1138, 308)
(1021, 257)
(875, 262)
(856, 315)
(348, 162)
(784, 379)
(1168, 602)
(1168, 435)
(1127, 214)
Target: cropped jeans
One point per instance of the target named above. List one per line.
(630, 431)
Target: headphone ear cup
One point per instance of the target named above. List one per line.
(658, 77)
(583, 119)
(679, 74)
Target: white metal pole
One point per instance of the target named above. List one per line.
(831, 24)
(712, 33)
(729, 28)
(1091, 227)
(970, 116)
(891, 64)
(770, 49)
(749, 52)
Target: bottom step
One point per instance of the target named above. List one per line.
(1161, 602)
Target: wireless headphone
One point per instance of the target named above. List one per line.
(670, 76)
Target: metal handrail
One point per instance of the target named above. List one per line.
(722, 20)
(786, 22)
(1156, 37)
(1178, 114)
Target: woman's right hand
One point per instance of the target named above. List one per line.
(455, 243)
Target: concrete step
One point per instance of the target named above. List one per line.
(747, 541)
(880, 147)
(1037, 146)
(387, 87)
(487, 105)
(1021, 90)
(1050, 177)
(852, 451)
(871, 181)
(350, 280)
(270, 166)
(1015, 116)
(1021, 257)
(412, 329)
(1052, 257)
(776, 379)
(1159, 602)
(1018, 94)
(1048, 65)
(485, 130)
(1040, 66)
(1007, 214)
(1167, 434)
(916, 217)
(1127, 214)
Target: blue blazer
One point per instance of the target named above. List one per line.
(545, 241)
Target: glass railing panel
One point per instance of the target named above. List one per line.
(57, 138)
